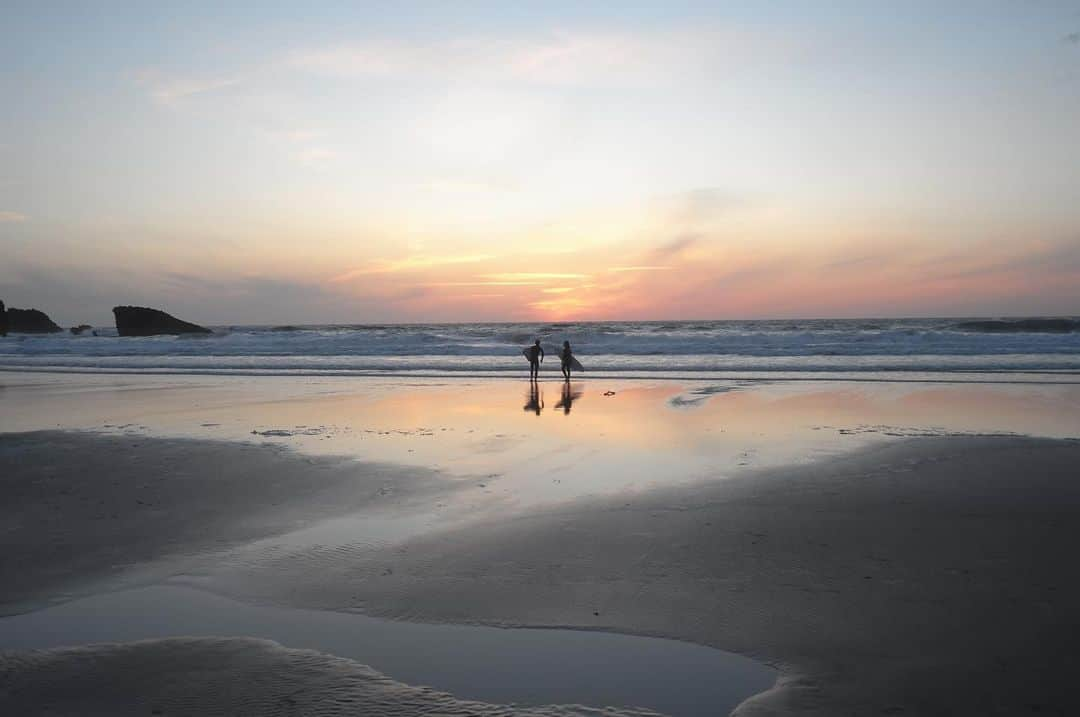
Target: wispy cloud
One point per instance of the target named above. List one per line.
(314, 156)
(305, 145)
(381, 58)
(848, 262)
(12, 217)
(168, 90)
(628, 269)
(1041, 259)
(192, 282)
(410, 263)
(294, 136)
(562, 57)
(676, 247)
(532, 275)
(486, 283)
(1072, 38)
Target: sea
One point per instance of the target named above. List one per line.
(1045, 350)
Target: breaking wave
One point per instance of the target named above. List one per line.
(852, 345)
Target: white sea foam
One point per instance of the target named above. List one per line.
(909, 345)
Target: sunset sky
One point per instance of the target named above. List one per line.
(378, 162)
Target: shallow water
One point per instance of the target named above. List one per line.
(523, 666)
(858, 346)
(518, 445)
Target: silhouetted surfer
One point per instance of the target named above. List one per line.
(566, 357)
(535, 354)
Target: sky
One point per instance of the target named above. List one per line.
(421, 162)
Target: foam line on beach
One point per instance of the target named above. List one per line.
(989, 376)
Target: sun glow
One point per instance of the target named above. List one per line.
(543, 165)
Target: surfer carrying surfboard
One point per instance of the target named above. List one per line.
(568, 359)
(535, 354)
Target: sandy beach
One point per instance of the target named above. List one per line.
(888, 549)
(666, 359)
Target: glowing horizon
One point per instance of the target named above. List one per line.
(556, 163)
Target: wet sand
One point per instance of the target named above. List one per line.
(883, 574)
(931, 577)
(80, 508)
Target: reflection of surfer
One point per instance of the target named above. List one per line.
(536, 400)
(569, 395)
(567, 358)
(535, 354)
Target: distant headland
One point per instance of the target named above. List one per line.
(130, 321)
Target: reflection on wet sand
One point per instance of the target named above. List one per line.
(597, 549)
(645, 433)
(534, 399)
(570, 393)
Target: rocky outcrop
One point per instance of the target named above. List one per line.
(30, 321)
(141, 321)
(80, 329)
(1016, 326)
(3, 320)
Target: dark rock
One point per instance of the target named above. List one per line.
(141, 321)
(1034, 326)
(30, 321)
(3, 320)
(80, 329)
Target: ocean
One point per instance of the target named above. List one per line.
(887, 349)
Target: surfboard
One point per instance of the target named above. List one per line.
(575, 365)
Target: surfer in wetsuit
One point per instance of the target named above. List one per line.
(535, 354)
(566, 357)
